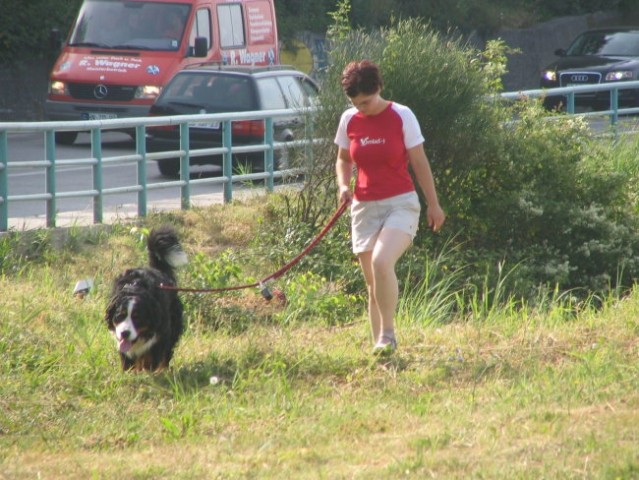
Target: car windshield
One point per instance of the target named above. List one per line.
(614, 44)
(130, 25)
(216, 93)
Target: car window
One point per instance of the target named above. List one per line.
(309, 87)
(221, 93)
(201, 27)
(311, 91)
(231, 25)
(270, 94)
(180, 87)
(236, 94)
(624, 43)
(606, 43)
(293, 93)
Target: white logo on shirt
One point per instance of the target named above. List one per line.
(371, 141)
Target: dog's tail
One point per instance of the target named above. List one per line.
(165, 251)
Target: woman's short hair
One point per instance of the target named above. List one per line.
(363, 77)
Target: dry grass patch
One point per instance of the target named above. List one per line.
(254, 393)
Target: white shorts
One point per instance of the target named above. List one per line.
(368, 219)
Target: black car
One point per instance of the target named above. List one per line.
(604, 55)
(219, 89)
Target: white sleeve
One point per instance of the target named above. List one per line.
(341, 136)
(412, 131)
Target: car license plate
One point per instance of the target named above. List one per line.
(99, 116)
(207, 125)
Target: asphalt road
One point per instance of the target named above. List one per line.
(26, 181)
(26, 214)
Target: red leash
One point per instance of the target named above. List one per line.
(262, 283)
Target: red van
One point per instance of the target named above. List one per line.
(120, 53)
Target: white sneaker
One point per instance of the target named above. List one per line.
(385, 346)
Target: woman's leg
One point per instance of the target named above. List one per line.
(391, 244)
(378, 267)
(365, 261)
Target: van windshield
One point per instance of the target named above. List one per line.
(133, 25)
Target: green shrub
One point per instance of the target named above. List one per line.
(313, 297)
(283, 237)
(541, 199)
(24, 32)
(560, 204)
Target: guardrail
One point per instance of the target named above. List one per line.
(97, 161)
(140, 157)
(571, 92)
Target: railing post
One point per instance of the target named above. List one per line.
(96, 152)
(614, 105)
(49, 150)
(140, 148)
(308, 146)
(4, 182)
(268, 155)
(185, 164)
(570, 100)
(227, 160)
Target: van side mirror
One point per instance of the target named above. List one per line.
(201, 47)
(55, 39)
(560, 52)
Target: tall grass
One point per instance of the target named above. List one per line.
(497, 389)
(433, 299)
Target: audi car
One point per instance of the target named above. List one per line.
(606, 55)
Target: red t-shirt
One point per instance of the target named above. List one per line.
(378, 145)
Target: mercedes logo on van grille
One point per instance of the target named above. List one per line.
(579, 78)
(100, 91)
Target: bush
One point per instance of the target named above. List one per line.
(557, 204)
(539, 198)
(24, 32)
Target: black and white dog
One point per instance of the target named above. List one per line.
(146, 320)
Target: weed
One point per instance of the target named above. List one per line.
(288, 391)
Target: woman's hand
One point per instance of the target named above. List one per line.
(436, 217)
(345, 195)
(344, 171)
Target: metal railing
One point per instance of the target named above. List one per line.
(571, 92)
(97, 161)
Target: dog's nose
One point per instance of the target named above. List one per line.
(125, 334)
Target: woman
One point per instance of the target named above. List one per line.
(381, 138)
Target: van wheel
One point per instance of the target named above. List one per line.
(65, 138)
(169, 167)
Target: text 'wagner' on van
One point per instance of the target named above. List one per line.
(120, 53)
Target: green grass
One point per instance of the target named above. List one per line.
(502, 393)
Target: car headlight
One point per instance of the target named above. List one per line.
(56, 87)
(620, 75)
(147, 92)
(550, 75)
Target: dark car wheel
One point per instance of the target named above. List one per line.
(65, 138)
(169, 167)
(556, 103)
(255, 161)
